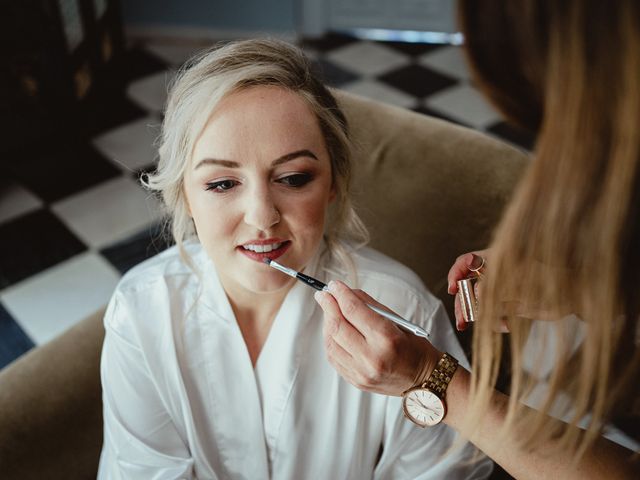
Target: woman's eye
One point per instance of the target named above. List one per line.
(296, 180)
(221, 185)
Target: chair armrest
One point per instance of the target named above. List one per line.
(51, 408)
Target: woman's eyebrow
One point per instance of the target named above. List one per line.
(216, 161)
(290, 156)
(278, 161)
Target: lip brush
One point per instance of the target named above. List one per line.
(318, 285)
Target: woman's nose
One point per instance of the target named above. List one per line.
(261, 211)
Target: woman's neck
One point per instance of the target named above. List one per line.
(255, 313)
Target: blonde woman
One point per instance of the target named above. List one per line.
(567, 250)
(213, 364)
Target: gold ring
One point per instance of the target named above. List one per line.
(477, 270)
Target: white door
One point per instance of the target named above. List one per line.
(320, 16)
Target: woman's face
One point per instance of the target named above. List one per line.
(258, 186)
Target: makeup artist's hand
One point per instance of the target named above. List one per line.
(366, 349)
(464, 266)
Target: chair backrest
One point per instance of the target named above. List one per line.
(51, 409)
(427, 189)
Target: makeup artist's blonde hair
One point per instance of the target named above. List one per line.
(570, 239)
(197, 90)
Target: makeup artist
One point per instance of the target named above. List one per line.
(567, 249)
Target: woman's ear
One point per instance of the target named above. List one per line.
(333, 194)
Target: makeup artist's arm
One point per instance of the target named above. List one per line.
(374, 355)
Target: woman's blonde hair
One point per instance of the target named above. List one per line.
(199, 87)
(569, 242)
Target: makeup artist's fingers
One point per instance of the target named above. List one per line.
(364, 361)
(461, 268)
(344, 363)
(337, 355)
(461, 325)
(336, 329)
(353, 307)
(383, 358)
(344, 344)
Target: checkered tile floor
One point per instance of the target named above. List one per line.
(74, 219)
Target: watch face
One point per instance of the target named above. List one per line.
(423, 407)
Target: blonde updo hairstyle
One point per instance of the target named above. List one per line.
(195, 93)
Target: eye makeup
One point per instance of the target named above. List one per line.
(220, 186)
(296, 180)
(293, 180)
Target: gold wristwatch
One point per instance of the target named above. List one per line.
(424, 403)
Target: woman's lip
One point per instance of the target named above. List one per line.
(259, 257)
(267, 241)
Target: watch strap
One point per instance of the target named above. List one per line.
(440, 377)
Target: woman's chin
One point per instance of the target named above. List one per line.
(269, 285)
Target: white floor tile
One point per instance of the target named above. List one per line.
(15, 201)
(131, 146)
(448, 60)
(378, 91)
(368, 59)
(48, 303)
(109, 212)
(151, 92)
(466, 104)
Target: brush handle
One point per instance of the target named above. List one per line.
(312, 282)
(413, 328)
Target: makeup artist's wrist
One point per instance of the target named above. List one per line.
(429, 360)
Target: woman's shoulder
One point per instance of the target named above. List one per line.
(398, 287)
(388, 280)
(374, 266)
(144, 296)
(161, 268)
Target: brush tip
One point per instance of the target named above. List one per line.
(267, 261)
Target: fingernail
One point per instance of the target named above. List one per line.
(318, 296)
(333, 286)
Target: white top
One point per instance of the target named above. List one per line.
(182, 399)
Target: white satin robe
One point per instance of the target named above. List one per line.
(183, 401)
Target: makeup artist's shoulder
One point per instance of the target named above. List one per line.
(161, 268)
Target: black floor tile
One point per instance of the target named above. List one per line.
(108, 108)
(56, 172)
(413, 49)
(138, 63)
(130, 252)
(331, 74)
(13, 341)
(417, 80)
(33, 242)
(513, 134)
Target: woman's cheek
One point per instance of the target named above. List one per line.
(312, 211)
